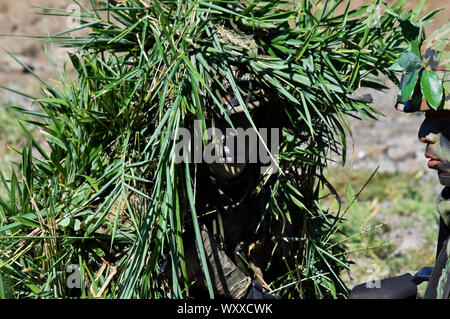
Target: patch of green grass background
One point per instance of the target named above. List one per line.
(408, 198)
(10, 135)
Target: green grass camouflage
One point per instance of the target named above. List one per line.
(107, 195)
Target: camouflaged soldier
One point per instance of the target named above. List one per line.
(240, 248)
(432, 96)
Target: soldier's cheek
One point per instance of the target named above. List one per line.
(442, 148)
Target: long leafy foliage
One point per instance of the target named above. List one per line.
(106, 192)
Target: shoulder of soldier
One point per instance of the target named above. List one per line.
(443, 289)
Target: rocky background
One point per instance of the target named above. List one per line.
(389, 143)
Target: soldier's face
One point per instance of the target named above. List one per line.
(435, 132)
(233, 164)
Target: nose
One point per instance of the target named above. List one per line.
(429, 131)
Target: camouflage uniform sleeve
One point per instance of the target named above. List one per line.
(439, 283)
(443, 287)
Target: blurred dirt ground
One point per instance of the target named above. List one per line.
(18, 18)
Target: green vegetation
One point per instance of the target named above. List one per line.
(393, 209)
(11, 136)
(108, 194)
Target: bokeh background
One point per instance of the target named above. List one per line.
(391, 224)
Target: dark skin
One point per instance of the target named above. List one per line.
(435, 132)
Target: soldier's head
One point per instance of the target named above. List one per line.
(434, 101)
(237, 145)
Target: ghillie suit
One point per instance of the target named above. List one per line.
(116, 194)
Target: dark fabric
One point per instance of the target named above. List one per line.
(400, 287)
(444, 233)
(441, 261)
(444, 229)
(244, 227)
(255, 291)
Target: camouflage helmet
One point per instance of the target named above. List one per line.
(435, 55)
